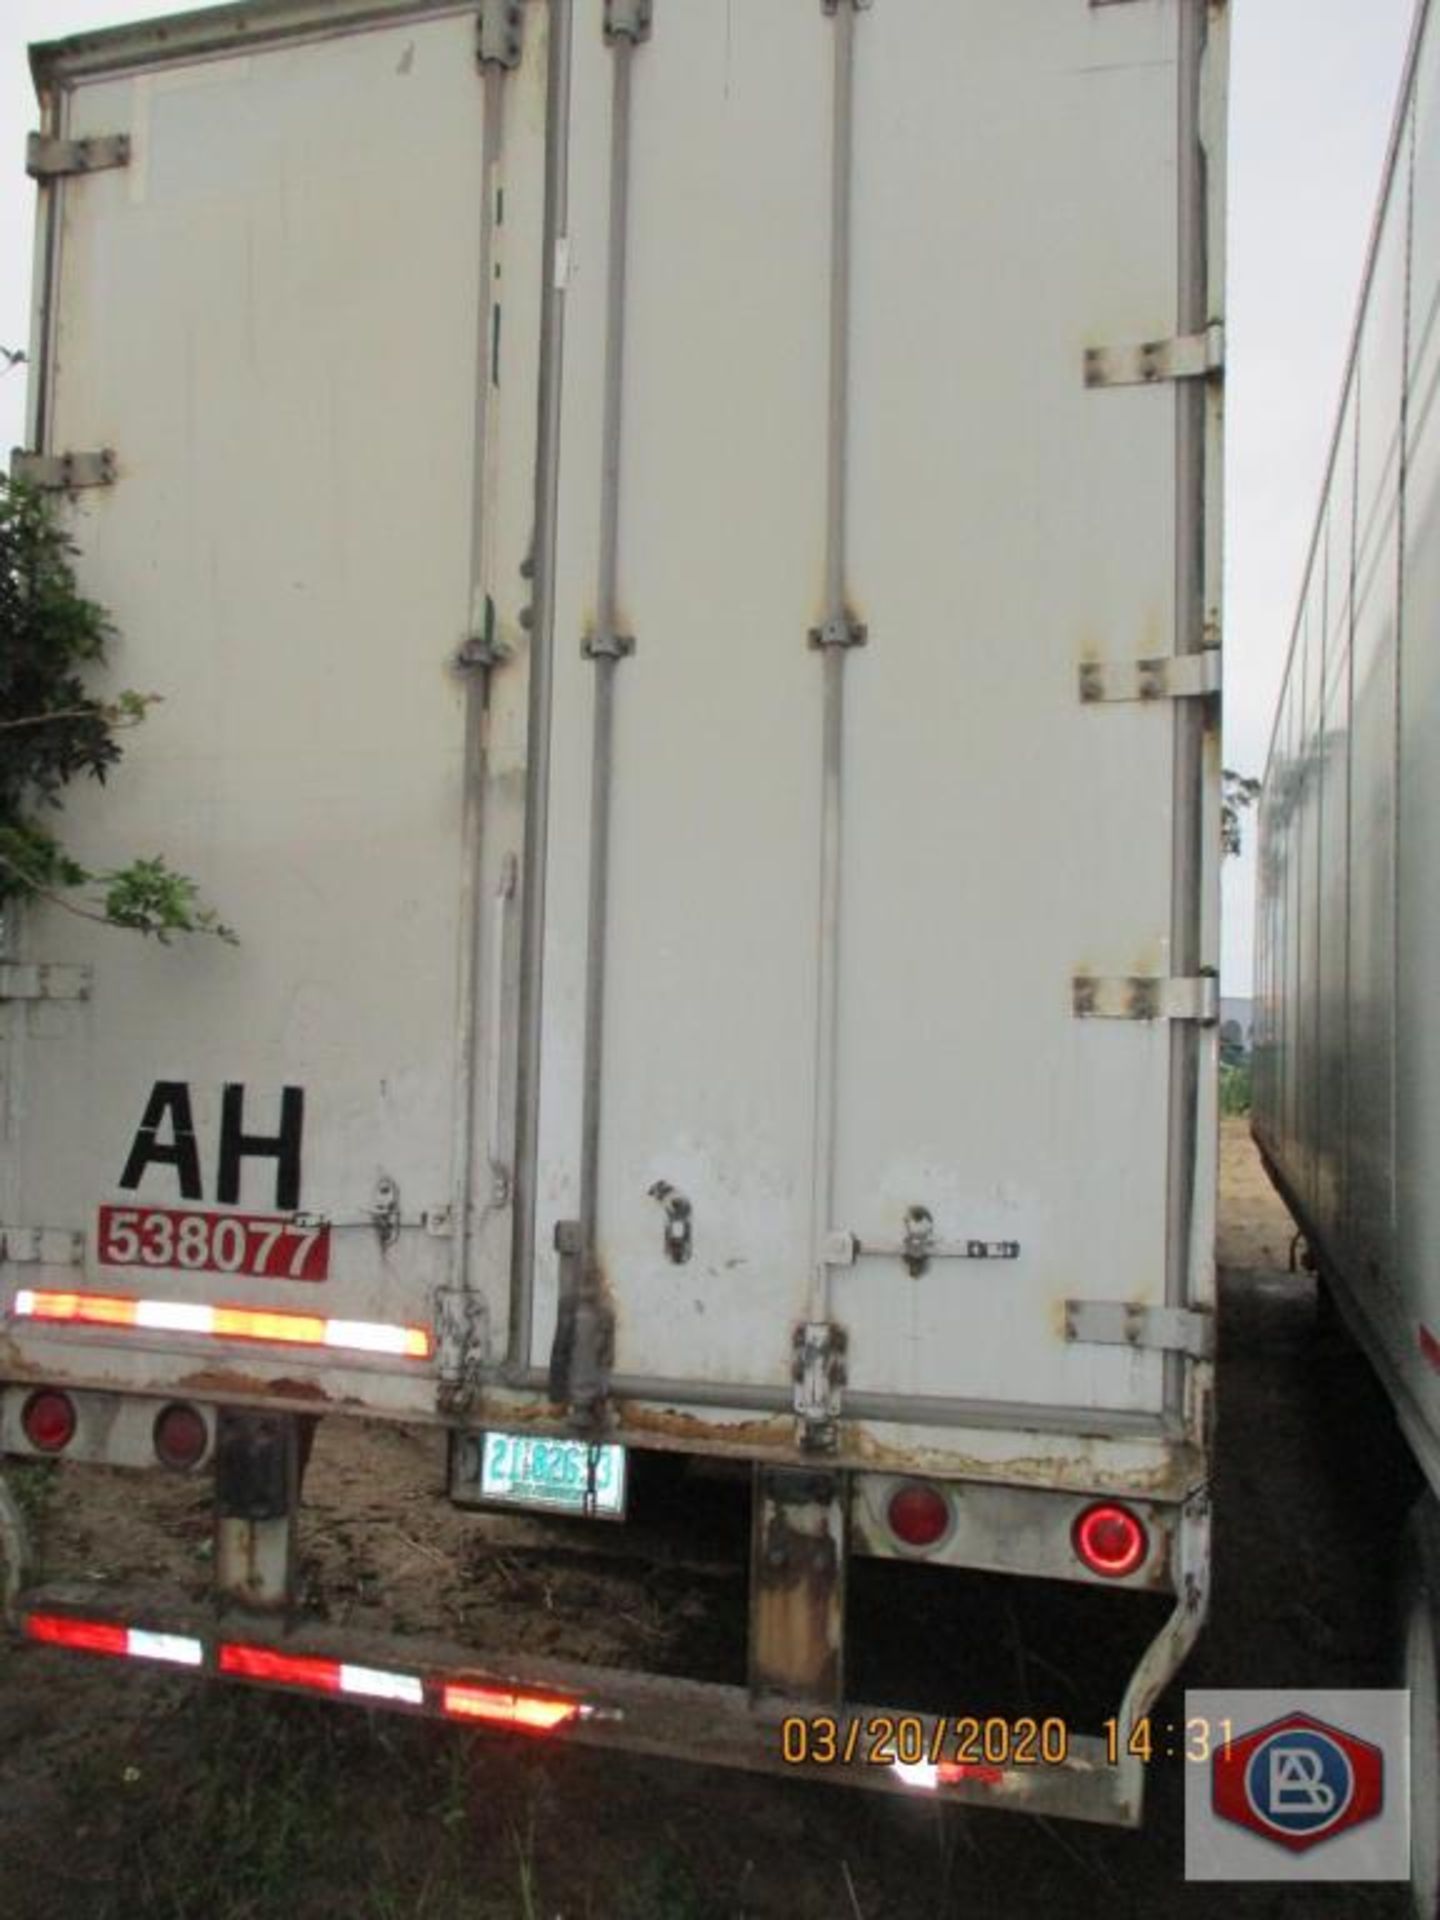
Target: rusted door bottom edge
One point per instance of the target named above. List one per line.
(916, 1410)
(1036, 1767)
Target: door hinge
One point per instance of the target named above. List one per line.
(500, 33)
(47, 158)
(818, 1369)
(1179, 676)
(43, 981)
(1122, 1323)
(1189, 356)
(41, 1247)
(63, 472)
(1145, 996)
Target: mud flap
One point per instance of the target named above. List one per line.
(799, 1548)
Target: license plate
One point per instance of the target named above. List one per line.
(564, 1476)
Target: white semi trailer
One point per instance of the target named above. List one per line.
(1347, 1048)
(680, 545)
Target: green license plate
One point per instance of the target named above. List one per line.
(562, 1476)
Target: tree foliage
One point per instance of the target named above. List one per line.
(53, 731)
(1240, 793)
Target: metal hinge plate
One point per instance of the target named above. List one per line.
(500, 33)
(1121, 1323)
(44, 981)
(63, 472)
(50, 159)
(1180, 676)
(41, 1247)
(1146, 996)
(1189, 356)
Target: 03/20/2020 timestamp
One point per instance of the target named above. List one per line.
(967, 1741)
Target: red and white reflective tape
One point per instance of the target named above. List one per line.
(319, 1675)
(946, 1773)
(262, 1324)
(467, 1699)
(100, 1636)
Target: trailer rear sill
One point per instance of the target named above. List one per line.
(685, 1720)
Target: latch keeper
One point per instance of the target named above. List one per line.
(607, 646)
(839, 631)
(628, 20)
(500, 33)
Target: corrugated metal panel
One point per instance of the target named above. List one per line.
(1370, 1055)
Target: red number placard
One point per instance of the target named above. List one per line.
(176, 1240)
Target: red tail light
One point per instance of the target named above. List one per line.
(919, 1514)
(48, 1419)
(1110, 1541)
(181, 1436)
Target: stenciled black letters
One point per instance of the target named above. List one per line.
(283, 1148)
(169, 1099)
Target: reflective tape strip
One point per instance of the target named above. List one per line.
(280, 1669)
(320, 1675)
(372, 1683)
(537, 1712)
(174, 1316)
(103, 1636)
(239, 1660)
(176, 1648)
(225, 1323)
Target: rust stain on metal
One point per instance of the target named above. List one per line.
(1178, 1474)
(12, 1363)
(220, 1382)
(771, 1435)
(797, 1579)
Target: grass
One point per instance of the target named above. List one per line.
(234, 1805)
(1235, 1088)
(32, 1482)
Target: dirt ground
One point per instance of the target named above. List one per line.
(125, 1793)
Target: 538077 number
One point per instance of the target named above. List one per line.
(171, 1238)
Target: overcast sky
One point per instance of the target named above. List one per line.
(1313, 87)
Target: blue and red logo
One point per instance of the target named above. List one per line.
(1298, 1781)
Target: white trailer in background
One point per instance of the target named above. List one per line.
(680, 543)
(1347, 1050)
